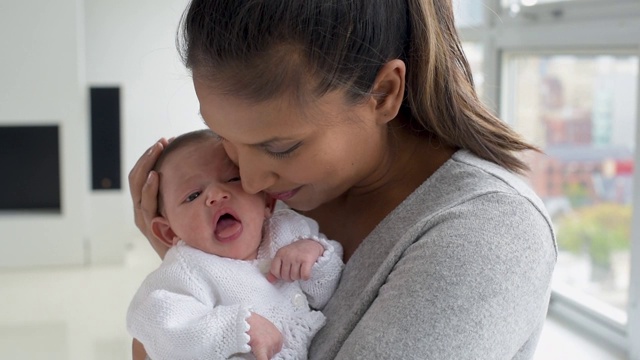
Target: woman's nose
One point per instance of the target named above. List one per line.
(254, 179)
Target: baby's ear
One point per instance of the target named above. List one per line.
(162, 231)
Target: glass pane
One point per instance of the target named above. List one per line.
(581, 111)
(468, 13)
(509, 3)
(515, 6)
(474, 53)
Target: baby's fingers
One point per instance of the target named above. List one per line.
(276, 266)
(305, 270)
(285, 271)
(294, 272)
(270, 278)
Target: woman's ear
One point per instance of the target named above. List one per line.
(162, 231)
(388, 90)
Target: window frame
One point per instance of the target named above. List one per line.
(570, 27)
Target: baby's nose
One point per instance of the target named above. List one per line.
(216, 196)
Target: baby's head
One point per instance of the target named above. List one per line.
(201, 200)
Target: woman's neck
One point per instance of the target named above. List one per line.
(351, 217)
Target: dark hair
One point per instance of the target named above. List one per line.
(260, 49)
(186, 139)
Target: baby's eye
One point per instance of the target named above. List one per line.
(234, 179)
(192, 196)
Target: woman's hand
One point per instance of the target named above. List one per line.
(265, 338)
(143, 186)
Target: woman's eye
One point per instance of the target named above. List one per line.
(283, 154)
(192, 197)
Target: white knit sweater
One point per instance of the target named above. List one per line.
(196, 305)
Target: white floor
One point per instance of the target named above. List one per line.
(78, 314)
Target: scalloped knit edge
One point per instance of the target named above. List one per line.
(328, 248)
(243, 328)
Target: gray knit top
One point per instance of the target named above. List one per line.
(460, 270)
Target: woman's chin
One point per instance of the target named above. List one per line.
(299, 205)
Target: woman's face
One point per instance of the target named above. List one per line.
(304, 156)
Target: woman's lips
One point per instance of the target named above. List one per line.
(285, 195)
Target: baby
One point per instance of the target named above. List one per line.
(233, 261)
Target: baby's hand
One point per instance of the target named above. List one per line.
(264, 338)
(294, 261)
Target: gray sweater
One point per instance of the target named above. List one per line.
(460, 270)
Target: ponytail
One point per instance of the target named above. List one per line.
(440, 92)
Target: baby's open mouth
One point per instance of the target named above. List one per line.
(226, 226)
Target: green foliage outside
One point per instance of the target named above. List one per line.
(597, 229)
(578, 194)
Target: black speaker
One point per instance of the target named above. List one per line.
(105, 138)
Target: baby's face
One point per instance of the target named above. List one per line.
(205, 204)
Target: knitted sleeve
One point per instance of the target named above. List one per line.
(288, 226)
(174, 317)
(325, 273)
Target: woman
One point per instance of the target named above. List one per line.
(362, 115)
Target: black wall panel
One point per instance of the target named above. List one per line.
(30, 168)
(105, 138)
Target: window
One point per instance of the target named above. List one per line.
(474, 54)
(468, 13)
(580, 109)
(510, 3)
(564, 73)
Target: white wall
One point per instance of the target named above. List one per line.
(40, 84)
(131, 44)
(52, 52)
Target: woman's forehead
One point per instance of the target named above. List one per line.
(230, 117)
(244, 121)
